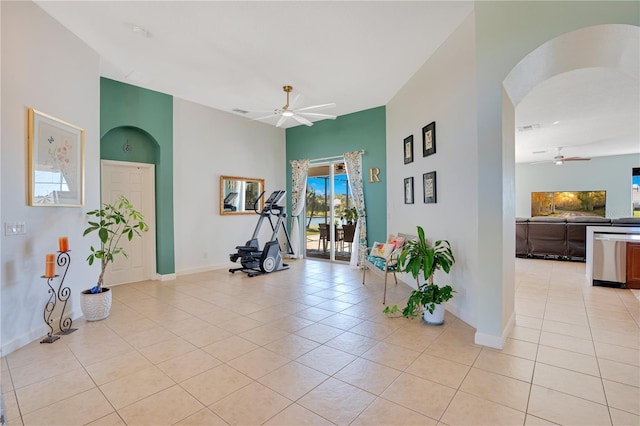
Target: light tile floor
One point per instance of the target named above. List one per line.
(311, 346)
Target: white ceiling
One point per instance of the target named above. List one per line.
(595, 110)
(237, 55)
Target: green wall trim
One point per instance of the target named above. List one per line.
(127, 110)
(129, 144)
(361, 130)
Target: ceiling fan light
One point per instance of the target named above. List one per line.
(559, 162)
(287, 113)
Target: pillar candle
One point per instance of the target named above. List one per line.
(50, 266)
(63, 243)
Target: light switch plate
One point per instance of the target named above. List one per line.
(15, 228)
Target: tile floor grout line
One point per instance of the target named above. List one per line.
(535, 360)
(595, 351)
(367, 304)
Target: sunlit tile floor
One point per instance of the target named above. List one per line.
(311, 346)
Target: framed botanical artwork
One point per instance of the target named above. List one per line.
(429, 185)
(429, 139)
(408, 190)
(408, 149)
(56, 161)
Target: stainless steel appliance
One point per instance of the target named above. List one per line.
(610, 259)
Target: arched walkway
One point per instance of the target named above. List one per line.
(613, 46)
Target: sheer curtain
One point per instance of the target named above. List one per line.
(353, 163)
(299, 169)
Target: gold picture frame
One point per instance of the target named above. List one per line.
(56, 162)
(238, 195)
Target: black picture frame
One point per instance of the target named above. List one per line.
(408, 149)
(408, 190)
(429, 188)
(429, 139)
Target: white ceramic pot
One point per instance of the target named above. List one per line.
(95, 307)
(435, 318)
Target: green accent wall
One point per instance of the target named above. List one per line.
(129, 144)
(135, 112)
(361, 130)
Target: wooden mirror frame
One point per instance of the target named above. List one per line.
(227, 184)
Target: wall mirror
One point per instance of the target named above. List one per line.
(239, 194)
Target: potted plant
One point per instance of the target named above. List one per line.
(421, 260)
(351, 215)
(112, 222)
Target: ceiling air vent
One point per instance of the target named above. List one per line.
(528, 127)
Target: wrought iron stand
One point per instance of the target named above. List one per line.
(48, 311)
(62, 295)
(64, 260)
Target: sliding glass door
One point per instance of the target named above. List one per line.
(329, 224)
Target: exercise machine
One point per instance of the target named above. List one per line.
(255, 261)
(229, 202)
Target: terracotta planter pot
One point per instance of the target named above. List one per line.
(95, 307)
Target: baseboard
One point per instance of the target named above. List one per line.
(496, 342)
(165, 277)
(206, 268)
(33, 335)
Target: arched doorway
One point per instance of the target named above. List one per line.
(129, 156)
(597, 50)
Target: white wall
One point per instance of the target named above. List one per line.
(209, 143)
(506, 32)
(611, 174)
(444, 91)
(45, 67)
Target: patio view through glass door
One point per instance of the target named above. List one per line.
(329, 213)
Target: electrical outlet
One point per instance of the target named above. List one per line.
(15, 228)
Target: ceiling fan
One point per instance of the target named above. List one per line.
(559, 159)
(301, 115)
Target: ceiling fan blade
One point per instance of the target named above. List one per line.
(302, 120)
(281, 121)
(292, 104)
(289, 110)
(317, 107)
(316, 115)
(577, 159)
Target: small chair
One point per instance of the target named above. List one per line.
(325, 236)
(384, 265)
(348, 234)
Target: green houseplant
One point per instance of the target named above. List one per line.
(421, 260)
(351, 215)
(112, 222)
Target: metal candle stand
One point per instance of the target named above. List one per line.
(48, 311)
(64, 259)
(62, 295)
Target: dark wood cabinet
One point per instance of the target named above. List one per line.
(633, 265)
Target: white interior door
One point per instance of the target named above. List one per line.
(136, 181)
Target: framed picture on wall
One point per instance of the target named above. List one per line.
(429, 186)
(56, 161)
(429, 139)
(408, 149)
(408, 190)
